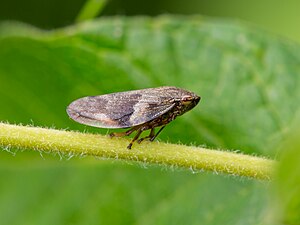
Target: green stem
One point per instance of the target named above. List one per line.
(90, 10)
(67, 142)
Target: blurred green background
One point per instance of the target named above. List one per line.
(248, 79)
(275, 16)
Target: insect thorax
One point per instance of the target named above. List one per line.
(167, 117)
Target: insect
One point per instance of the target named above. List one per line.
(138, 110)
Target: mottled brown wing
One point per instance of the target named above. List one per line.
(119, 110)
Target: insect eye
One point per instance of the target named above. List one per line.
(186, 99)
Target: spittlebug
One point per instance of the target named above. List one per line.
(139, 110)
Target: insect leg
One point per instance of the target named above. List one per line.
(139, 131)
(152, 138)
(151, 135)
(121, 134)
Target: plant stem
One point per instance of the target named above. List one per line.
(196, 158)
(91, 9)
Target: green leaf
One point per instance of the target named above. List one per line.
(248, 83)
